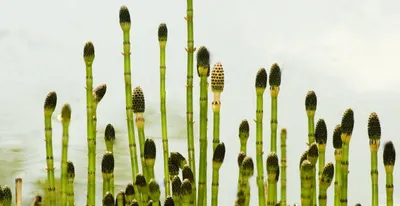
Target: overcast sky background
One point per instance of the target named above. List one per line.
(347, 52)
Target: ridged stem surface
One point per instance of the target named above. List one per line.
(164, 127)
(216, 121)
(374, 177)
(50, 160)
(106, 183)
(389, 188)
(338, 176)
(345, 172)
(70, 192)
(189, 92)
(311, 139)
(129, 110)
(140, 128)
(306, 193)
(111, 182)
(91, 187)
(64, 164)
(259, 150)
(274, 122)
(202, 196)
(215, 187)
(283, 169)
(322, 198)
(321, 160)
(271, 193)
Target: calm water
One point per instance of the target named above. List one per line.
(41, 50)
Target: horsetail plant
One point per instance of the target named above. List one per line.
(178, 159)
(186, 192)
(203, 70)
(139, 107)
(311, 107)
(247, 168)
(240, 159)
(143, 188)
(107, 168)
(125, 23)
(173, 168)
(120, 199)
(50, 104)
(66, 118)
(283, 166)
(217, 86)
(321, 136)
(389, 159)
(154, 192)
(129, 193)
(218, 159)
(306, 174)
(169, 201)
(1, 196)
(98, 94)
(244, 130)
(274, 83)
(190, 49)
(176, 184)
(7, 196)
(273, 176)
(337, 145)
(374, 134)
(187, 173)
(325, 181)
(162, 39)
(312, 156)
(109, 137)
(70, 187)
(347, 126)
(88, 55)
(260, 84)
(108, 199)
(150, 157)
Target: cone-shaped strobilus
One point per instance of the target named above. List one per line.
(218, 159)
(325, 181)
(203, 70)
(374, 134)
(65, 119)
(50, 104)
(139, 107)
(389, 159)
(283, 166)
(162, 39)
(107, 169)
(244, 130)
(178, 159)
(109, 137)
(125, 23)
(120, 199)
(88, 55)
(187, 173)
(247, 170)
(154, 192)
(337, 145)
(347, 126)
(240, 159)
(274, 83)
(217, 87)
(273, 176)
(186, 192)
(176, 184)
(70, 187)
(129, 193)
(143, 189)
(149, 157)
(260, 84)
(108, 200)
(321, 136)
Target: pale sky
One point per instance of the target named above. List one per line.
(346, 51)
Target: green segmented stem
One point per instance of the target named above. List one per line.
(215, 187)
(70, 186)
(389, 188)
(311, 137)
(48, 112)
(120, 199)
(389, 160)
(163, 108)
(322, 197)
(283, 166)
(106, 183)
(306, 183)
(374, 173)
(259, 149)
(91, 189)
(66, 116)
(216, 105)
(126, 25)
(203, 140)
(272, 165)
(189, 91)
(345, 171)
(274, 119)
(140, 127)
(338, 176)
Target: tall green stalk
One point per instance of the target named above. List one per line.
(139, 107)
(283, 167)
(337, 145)
(312, 156)
(273, 176)
(218, 159)
(374, 134)
(274, 83)
(217, 86)
(162, 39)
(50, 104)
(325, 181)
(389, 159)
(244, 129)
(203, 70)
(189, 90)
(125, 23)
(306, 174)
(347, 126)
(66, 118)
(88, 55)
(311, 107)
(70, 188)
(260, 84)
(321, 136)
(247, 170)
